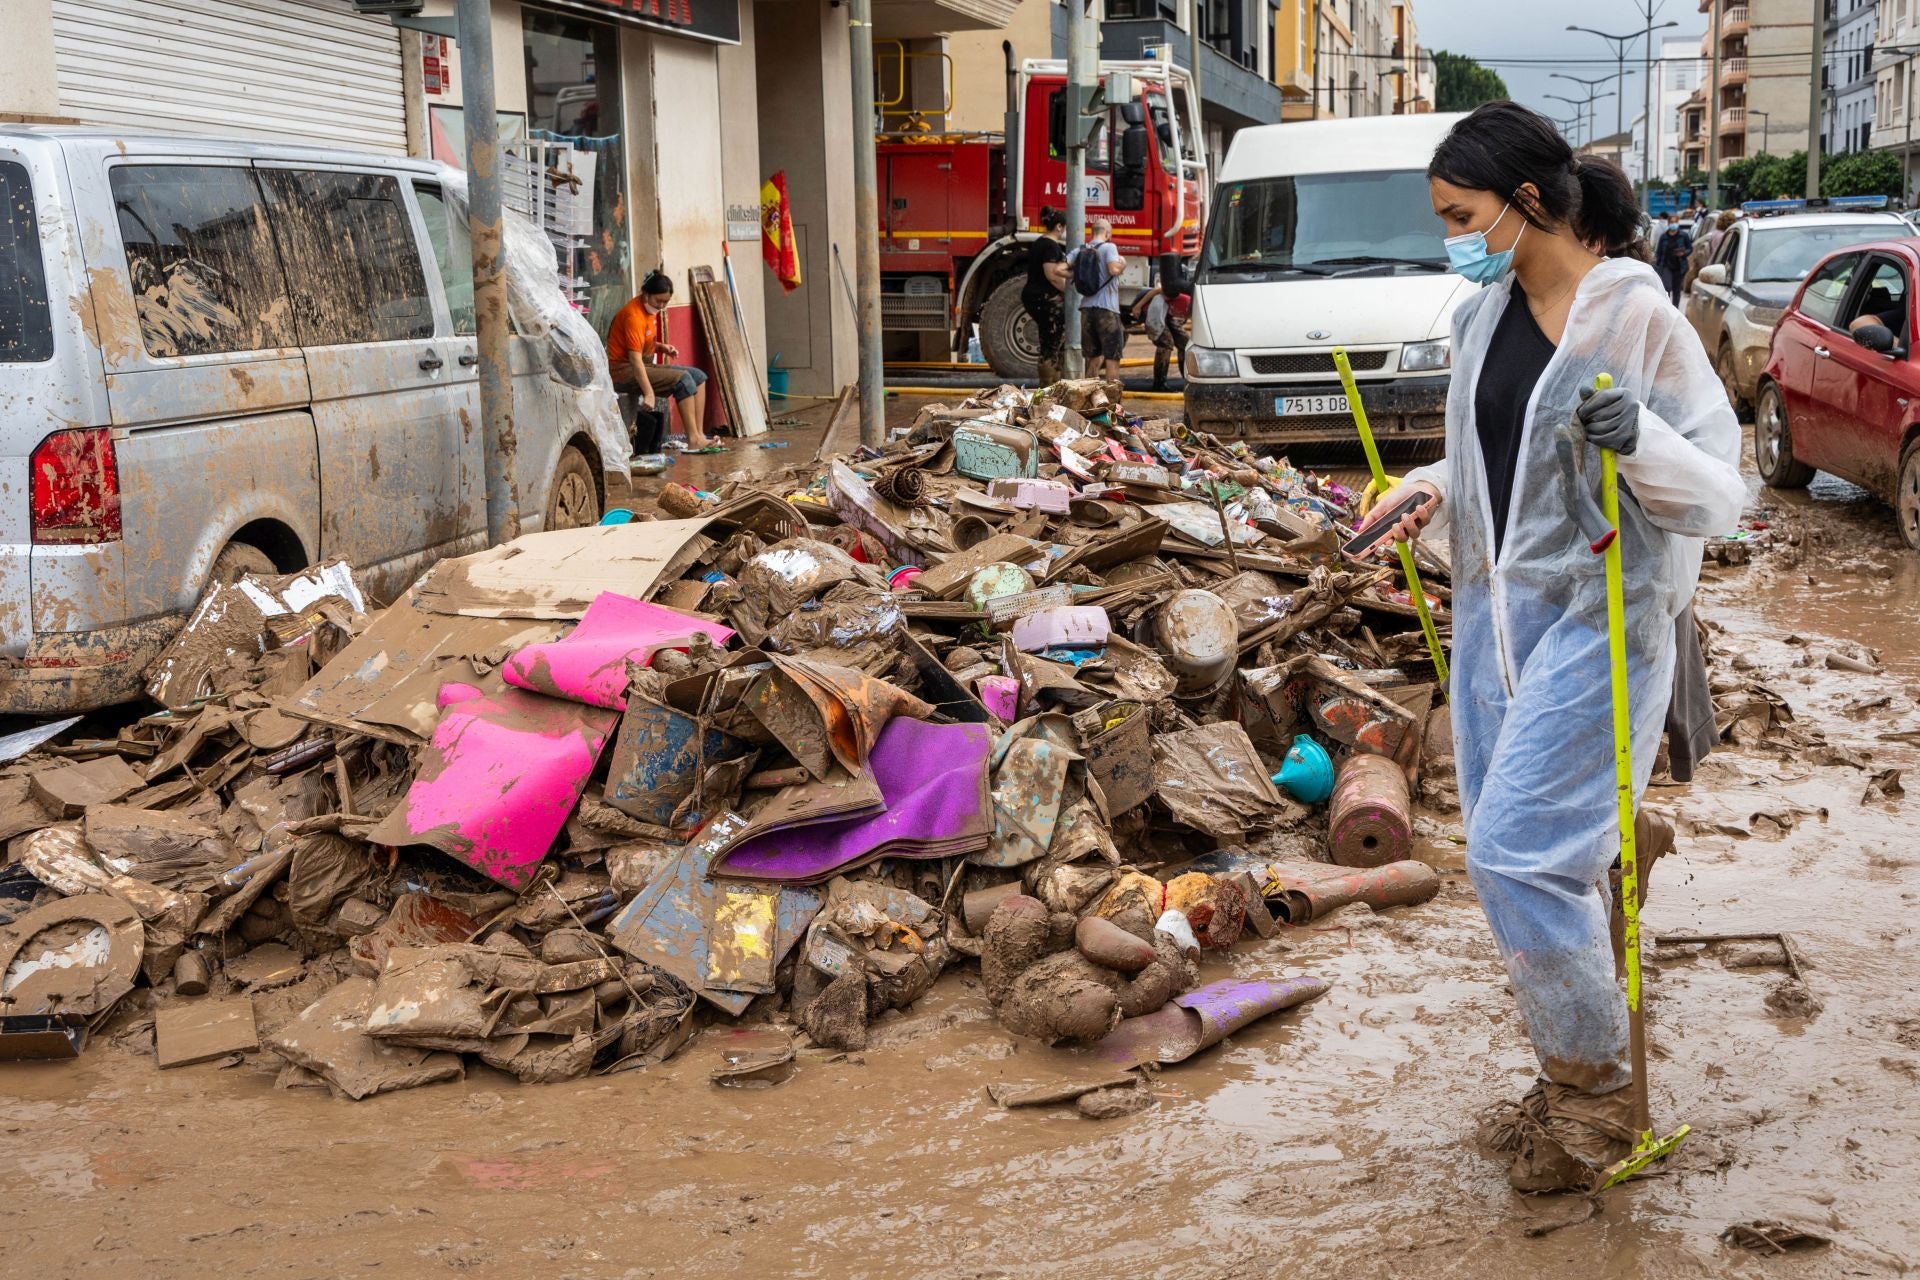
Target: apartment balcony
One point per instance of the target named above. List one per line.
(1733, 22)
(1733, 120)
(1229, 86)
(1733, 71)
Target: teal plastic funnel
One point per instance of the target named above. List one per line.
(1307, 773)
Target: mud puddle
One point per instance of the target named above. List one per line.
(1330, 1142)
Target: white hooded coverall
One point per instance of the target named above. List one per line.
(1530, 691)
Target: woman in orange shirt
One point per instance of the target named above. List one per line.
(632, 342)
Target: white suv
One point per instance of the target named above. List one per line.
(1740, 294)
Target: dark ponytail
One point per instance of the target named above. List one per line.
(1609, 215)
(1052, 219)
(1503, 147)
(657, 283)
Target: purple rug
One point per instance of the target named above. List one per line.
(933, 778)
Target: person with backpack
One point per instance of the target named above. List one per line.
(1096, 268)
(1670, 257)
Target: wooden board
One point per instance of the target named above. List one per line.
(203, 1030)
(733, 366)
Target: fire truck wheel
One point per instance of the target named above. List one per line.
(1008, 337)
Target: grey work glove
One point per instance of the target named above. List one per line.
(1610, 419)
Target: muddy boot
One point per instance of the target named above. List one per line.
(1498, 1134)
(1578, 1137)
(1162, 361)
(1652, 840)
(1048, 372)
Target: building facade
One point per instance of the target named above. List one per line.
(1847, 117)
(1766, 57)
(1678, 72)
(1897, 41)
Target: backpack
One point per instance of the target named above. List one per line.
(1089, 270)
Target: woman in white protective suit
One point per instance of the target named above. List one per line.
(1530, 691)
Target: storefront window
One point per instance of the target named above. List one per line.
(573, 96)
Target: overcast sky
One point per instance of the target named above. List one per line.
(1527, 40)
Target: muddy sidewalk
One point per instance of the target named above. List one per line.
(1334, 1141)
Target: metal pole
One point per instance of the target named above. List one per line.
(1079, 93)
(1620, 99)
(1713, 115)
(1816, 98)
(1906, 111)
(1646, 150)
(866, 228)
(475, 28)
(1193, 80)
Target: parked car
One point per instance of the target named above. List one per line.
(1739, 296)
(1841, 392)
(1322, 234)
(219, 357)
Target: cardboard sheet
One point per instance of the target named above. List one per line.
(387, 682)
(559, 574)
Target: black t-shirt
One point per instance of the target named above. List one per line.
(1046, 250)
(1514, 362)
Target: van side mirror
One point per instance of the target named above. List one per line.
(1713, 273)
(1876, 337)
(1133, 147)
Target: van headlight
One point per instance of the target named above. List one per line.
(1211, 362)
(1425, 357)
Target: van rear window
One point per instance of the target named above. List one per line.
(26, 328)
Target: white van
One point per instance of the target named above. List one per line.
(1323, 235)
(219, 357)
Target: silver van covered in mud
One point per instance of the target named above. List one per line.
(218, 357)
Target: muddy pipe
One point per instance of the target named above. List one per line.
(1300, 898)
(475, 36)
(1368, 818)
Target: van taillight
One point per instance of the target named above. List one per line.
(76, 488)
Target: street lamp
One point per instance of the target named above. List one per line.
(1620, 43)
(1765, 122)
(1585, 105)
(1395, 70)
(1588, 85)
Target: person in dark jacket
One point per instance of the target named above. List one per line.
(1043, 296)
(1670, 257)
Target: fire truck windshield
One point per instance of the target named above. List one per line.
(1311, 223)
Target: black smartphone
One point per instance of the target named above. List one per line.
(1380, 524)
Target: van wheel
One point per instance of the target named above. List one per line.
(1773, 443)
(237, 559)
(574, 500)
(1729, 370)
(1009, 338)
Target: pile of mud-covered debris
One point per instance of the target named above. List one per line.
(1040, 683)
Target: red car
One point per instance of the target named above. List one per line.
(1841, 392)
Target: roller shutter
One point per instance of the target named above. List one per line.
(307, 70)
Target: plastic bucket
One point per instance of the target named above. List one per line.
(776, 383)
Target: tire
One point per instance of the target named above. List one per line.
(238, 558)
(1773, 443)
(1008, 337)
(1906, 496)
(1729, 370)
(573, 500)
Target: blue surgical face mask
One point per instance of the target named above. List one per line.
(1469, 257)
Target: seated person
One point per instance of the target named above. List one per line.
(632, 342)
(1882, 308)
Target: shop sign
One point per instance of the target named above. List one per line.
(716, 20)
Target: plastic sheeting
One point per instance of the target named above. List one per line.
(541, 313)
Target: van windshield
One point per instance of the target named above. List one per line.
(26, 327)
(1324, 224)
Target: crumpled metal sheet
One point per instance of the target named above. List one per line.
(1211, 779)
(1195, 1021)
(1030, 773)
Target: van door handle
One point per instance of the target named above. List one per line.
(1823, 353)
(432, 361)
(469, 359)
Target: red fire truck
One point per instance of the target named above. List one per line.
(959, 212)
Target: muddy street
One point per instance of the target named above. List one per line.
(1335, 1140)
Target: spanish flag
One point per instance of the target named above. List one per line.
(776, 232)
